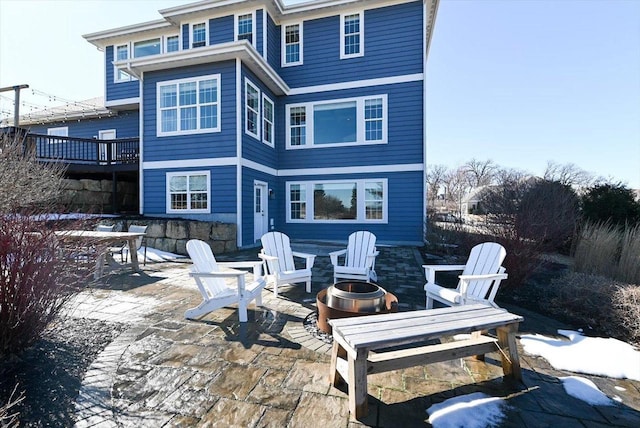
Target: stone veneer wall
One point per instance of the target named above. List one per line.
(87, 195)
(172, 235)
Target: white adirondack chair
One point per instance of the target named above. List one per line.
(279, 261)
(359, 258)
(216, 292)
(479, 282)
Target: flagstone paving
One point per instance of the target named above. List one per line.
(270, 372)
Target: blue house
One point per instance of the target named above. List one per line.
(307, 118)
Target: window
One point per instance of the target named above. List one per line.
(62, 131)
(188, 192)
(267, 120)
(292, 44)
(358, 201)
(121, 53)
(337, 122)
(244, 27)
(198, 35)
(351, 35)
(188, 106)
(172, 44)
(146, 48)
(252, 109)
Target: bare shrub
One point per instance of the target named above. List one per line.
(597, 249)
(626, 300)
(8, 416)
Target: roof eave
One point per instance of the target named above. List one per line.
(101, 39)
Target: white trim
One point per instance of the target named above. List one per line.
(253, 26)
(409, 167)
(264, 202)
(424, 121)
(265, 38)
(238, 159)
(360, 203)
(273, 120)
(198, 105)
(360, 35)
(169, 175)
(259, 167)
(190, 163)
(123, 101)
(141, 149)
(160, 43)
(101, 132)
(246, 109)
(406, 78)
(55, 131)
(206, 33)
(165, 40)
(360, 123)
(283, 44)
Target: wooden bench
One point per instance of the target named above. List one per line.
(355, 338)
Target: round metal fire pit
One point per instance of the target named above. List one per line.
(356, 296)
(377, 299)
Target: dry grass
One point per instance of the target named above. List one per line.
(597, 249)
(8, 415)
(629, 263)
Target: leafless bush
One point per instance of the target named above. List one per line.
(626, 300)
(9, 417)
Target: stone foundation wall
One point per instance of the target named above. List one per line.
(172, 235)
(87, 195)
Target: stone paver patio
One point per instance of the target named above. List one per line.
(168, 371)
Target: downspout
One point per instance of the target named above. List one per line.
(141, 146)
(239, 152)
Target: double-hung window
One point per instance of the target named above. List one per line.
(268, 116)
(252, 109)
(188, 192)
(291, 44)
(198, 35)
(172, 44)
(351, 35)
(355, 201)
(121, 53)
(331, 123)
(188, 106)
(244, 27)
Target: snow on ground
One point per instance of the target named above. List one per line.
(581, 354)
(585, 390)
(477, 410)
(155, 255)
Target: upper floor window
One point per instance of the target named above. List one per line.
(291, 44)
(267, 120)
(62, 131)
(351, 35)
(172, 44)
(360, 201)
(121, 53)
(146, 47)
(188, 192)
(188, 106)
(252, 109)
(198, 35)
(244, 27)
(350, 121)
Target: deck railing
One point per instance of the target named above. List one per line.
(84, 150)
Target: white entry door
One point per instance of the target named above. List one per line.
(105, 134)
(260, 210)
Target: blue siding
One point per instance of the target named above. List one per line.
(223, 194)
(392, 46)
(252, 148)
(196, 146)
(404, 131)
(126, 124)
(248, 177)
(185, 36)
(120, 90)
(221, 30)
(273, 44)
(259, 32)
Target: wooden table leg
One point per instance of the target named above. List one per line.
(510, 359)
(358, 405)
(133, 252)
(337, 352)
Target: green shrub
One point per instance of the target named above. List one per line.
(613, 203)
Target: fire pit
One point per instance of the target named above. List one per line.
(351, 299)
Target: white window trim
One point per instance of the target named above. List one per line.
(273, 120)
(361, 208)
(58, 131)
(283, 47)
(133, 46)
(248, 83)
(361, 130)
(116, 72)
(342, 35)
(165, 40)
(206, 33)
(198, 130)
(253, 26)
(188, 210)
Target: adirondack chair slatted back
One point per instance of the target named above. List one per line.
(277, 244)
(204, 261)
(484, 259)
(361, 244)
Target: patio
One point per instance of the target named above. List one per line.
(168, 371)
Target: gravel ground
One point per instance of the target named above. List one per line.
(50, 372)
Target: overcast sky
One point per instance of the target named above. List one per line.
(520, 82)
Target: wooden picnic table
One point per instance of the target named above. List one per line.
(355, 340)
(106, 238)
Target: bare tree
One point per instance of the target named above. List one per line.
(480, 173)
(456, 186)
(568, 174)
(435, 180)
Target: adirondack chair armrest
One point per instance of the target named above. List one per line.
(270, 262)
(335, 254)
(310, 258)
(464, 280)
(231, 273)
(430, 270)
(256, 266)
